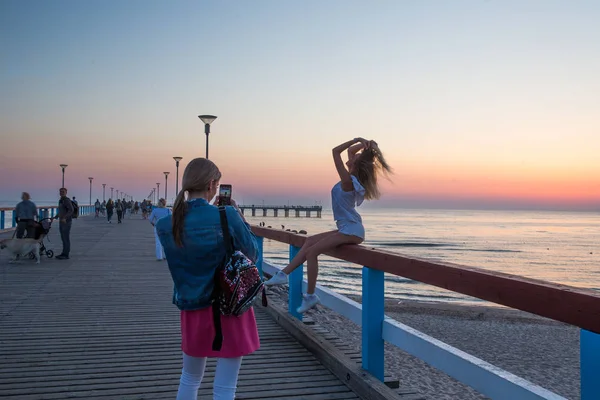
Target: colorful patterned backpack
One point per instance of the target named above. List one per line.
(237, 284)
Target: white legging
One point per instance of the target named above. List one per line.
(225, 382)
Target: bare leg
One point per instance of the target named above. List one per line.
(328, 243)
(301, 256)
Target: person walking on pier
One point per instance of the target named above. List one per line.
(26, 212)
(158, 213)
(110, 209)
(194, 246)
(97, 206)
(119, 208)
(65, 218)
(358, 181)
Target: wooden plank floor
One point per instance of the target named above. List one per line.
(101, 326)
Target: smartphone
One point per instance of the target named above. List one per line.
(224, 195)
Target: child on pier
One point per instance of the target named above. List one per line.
(357, 182)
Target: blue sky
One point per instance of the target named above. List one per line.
(464, 97)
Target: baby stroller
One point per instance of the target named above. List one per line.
(41, 228)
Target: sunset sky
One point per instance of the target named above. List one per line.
(476, 104)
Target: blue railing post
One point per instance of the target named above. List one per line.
(295, 285)
(590, 365)
(259, 261)
(373, 302)
(14, 218)
(2, 216)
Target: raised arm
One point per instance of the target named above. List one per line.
(243, 238)
(352, 150)
(339, 163)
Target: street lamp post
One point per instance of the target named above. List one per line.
(166, 183)
(63, 166)
(103, 192)
(111, 192)
(157, 191)
(91, 179)
(207, 119)
(117, 190)
(177, 159)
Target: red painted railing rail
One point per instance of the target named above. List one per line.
(575, 306)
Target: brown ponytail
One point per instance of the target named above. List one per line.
(179, 211)
(197, 177)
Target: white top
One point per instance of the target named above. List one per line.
(344, 203)
(158, 213)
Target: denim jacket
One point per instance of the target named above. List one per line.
(193, 266)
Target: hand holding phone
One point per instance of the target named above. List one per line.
(224, 195)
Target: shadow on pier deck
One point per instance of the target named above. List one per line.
(101, 326)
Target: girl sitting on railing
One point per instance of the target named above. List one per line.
(357, 182)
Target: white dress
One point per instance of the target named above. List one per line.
(158, 213)
(344, 205)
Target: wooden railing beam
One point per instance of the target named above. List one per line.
(575, 306)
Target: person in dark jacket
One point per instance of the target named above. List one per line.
(110, 207)
(119, 207)
(65, 217)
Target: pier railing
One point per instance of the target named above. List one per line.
(8, 218)
(575, 306)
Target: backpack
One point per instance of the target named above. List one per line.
(237, 284)
(75, 208)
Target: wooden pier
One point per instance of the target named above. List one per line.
(101, 326)
(297, 211)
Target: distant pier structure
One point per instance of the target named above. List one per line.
(296, 211)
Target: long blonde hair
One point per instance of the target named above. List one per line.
(197, 177)
(369, 164)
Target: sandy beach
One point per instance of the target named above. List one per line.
(542, 351)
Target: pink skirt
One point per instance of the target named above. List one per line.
(240, 334)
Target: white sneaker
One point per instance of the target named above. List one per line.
(308, 302)
(280, 278)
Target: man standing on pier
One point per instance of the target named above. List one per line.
(65, 217)
(26, 212)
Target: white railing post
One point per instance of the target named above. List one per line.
(295, 285)
(590, 365)
(373, 303)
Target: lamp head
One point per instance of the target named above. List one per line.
(166, 173)
(177, 159)
(207, 119)
(63, 166)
